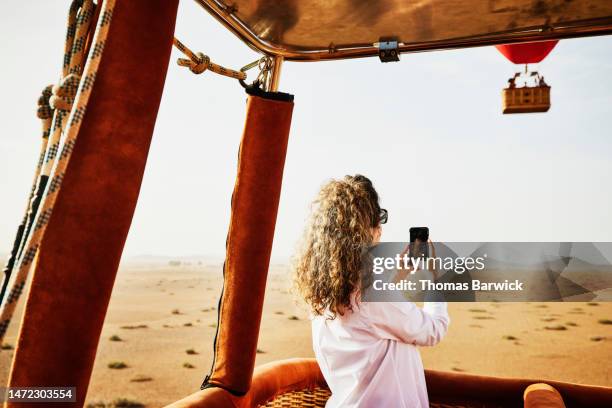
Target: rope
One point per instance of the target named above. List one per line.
(198, 63)
(68, 103)
(45, 113)
(78, 27)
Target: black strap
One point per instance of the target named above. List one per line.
(276, 96)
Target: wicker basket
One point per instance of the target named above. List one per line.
(526, 99)
(309, 398)
(317, 397)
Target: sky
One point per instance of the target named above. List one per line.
(428, 131)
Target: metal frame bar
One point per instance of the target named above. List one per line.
(226, 17)
(275, 73)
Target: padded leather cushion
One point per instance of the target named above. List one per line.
(82, 246)
(542, 395)
(249, 242)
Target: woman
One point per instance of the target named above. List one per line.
(367, 351)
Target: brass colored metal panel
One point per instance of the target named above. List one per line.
(335, 29)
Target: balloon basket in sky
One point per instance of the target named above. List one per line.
(527, 92)
(98, 122)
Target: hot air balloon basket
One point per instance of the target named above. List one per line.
(532, 96)
(526, 99)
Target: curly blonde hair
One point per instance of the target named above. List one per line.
(327, 267)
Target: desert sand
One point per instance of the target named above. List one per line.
(162, 318)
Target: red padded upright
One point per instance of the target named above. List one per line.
(82, 246)
(249, 241)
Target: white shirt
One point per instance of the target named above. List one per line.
(369, 357)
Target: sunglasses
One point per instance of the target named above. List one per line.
(383, 217)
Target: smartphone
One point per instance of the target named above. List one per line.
(420, 233)
(420, 248)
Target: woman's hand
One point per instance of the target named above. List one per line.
(403, 272)
(432, 254)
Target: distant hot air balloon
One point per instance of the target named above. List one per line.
(526, 99)
(527, 53)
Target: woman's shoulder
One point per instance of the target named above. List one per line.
(378, 310)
